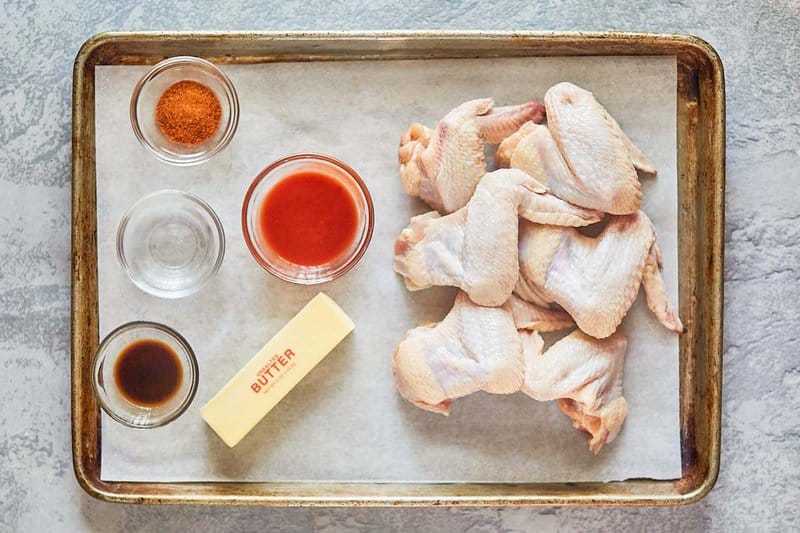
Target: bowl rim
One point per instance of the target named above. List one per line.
(369, 213)
(202, 64)
(190, 358)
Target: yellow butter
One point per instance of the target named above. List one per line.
(276, 369)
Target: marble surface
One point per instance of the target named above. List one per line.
(759, 485)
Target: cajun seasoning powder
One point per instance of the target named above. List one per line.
(188, 113)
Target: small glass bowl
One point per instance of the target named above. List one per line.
(270, 260)
(153, 84)
(170, 243)
(105, 387)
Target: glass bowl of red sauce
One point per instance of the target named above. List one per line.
(307, 218)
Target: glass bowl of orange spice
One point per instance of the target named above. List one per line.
(185, 110)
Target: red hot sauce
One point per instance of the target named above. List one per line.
(309, 218)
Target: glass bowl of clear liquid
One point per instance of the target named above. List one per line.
(170, 243)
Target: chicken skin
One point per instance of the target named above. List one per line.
(595, 279)
(602, 160)
(444, 165)
(474, 348)
(476, 247)
(530, 316)
(584, 375)
(533, 150)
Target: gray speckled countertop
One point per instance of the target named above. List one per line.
(759, 484)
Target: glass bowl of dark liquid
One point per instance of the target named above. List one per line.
(145, 374)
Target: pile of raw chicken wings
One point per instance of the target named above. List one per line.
(552, 239)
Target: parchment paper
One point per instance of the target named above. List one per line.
(345, 421)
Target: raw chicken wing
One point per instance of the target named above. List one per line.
(533, 150)
(474, 348)
(584, 375)
(601, 158)
(476, 247)
(595, 279)
(444, 165)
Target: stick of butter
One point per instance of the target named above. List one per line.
(276, 369)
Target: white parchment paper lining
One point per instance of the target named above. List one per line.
(345, 421)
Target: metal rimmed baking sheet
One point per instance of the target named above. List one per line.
(699, 114)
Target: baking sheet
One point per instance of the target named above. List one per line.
(345, 422)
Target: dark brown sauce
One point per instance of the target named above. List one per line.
(148, 373)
